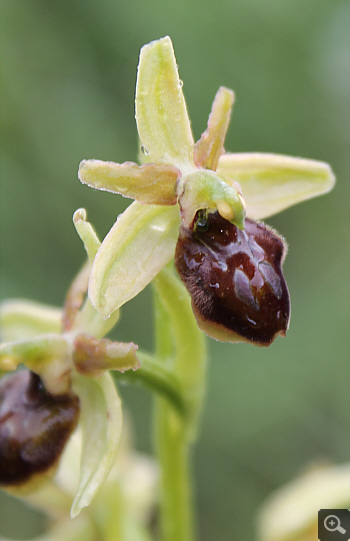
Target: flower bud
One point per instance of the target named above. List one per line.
(234, 278)
(34, 427)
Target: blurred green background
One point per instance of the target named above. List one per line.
(68, 78)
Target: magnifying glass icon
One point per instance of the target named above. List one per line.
(332, 524)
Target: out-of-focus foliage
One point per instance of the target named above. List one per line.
(291, 512)
(68, 77)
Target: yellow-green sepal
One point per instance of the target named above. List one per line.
(161, 114)
(139, 245)
(101, 422)
(21, 319)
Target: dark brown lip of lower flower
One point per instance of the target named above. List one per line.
(235, 279)
(34, 427)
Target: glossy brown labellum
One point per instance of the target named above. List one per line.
(234, 278)
(34, 427)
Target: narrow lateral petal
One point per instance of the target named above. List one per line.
(139, 245)
(75, 297)
(75, 315)
(161, 113)
(92, 357)
(210, 146)
(152, 183)
(86, 233)
(21, 319)
(46, 355)
(101, 422)
(271, 182)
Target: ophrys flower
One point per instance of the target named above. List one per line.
(67, 379)
(182, 182)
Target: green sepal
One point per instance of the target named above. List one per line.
(21, 319)
(271, 183)
(101, 422)
(138, 246)
(161, 114)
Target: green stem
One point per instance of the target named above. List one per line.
(155, 376)
(176, 494)
(180, 346)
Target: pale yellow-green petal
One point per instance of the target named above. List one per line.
(101, 422)
(210, 146)
(161, 114)
(152, 183)
(92, 357)
(85, 317)
(21, 319)
(75, 297)
(138, 246)
(271, 182)
(86, 233)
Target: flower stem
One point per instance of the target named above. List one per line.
(155, 376)
(173, 455)
(181, 347)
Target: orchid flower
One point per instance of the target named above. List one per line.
(201, 201)
(124, 505)
(66, 382)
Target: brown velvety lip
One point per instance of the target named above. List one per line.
(34, 427)
(235, 279)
